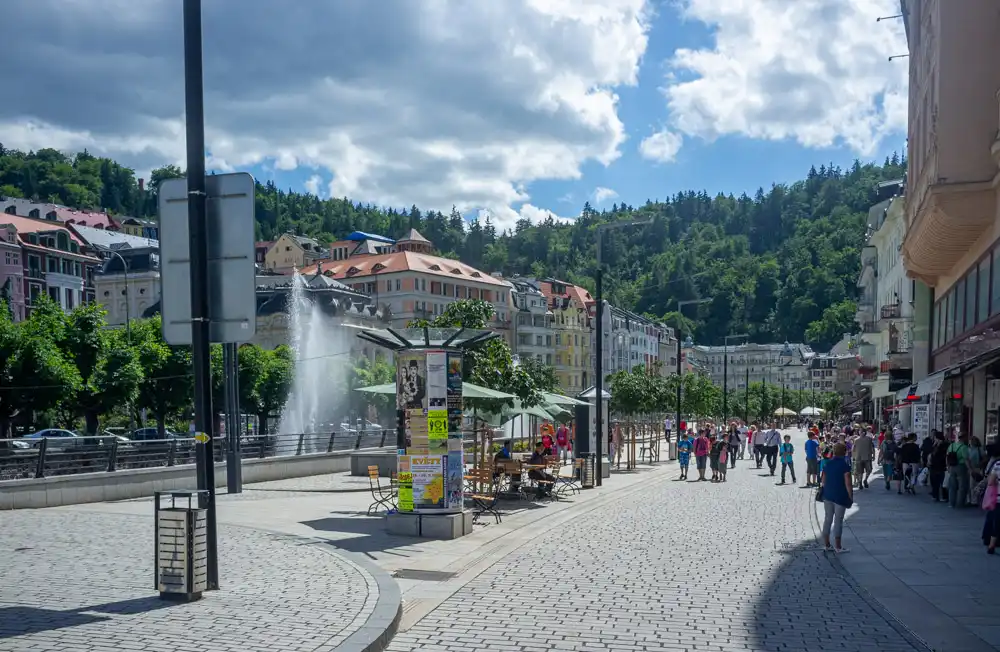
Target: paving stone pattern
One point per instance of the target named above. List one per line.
(83, 581)
(692, 566)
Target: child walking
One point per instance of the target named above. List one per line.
(723, 456)
(787, 451)
(684, 447)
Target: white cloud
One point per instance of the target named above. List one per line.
(505, 217)
(602, 194)
(812, 71)
(462, 103)
(661, 146)
(313, 184)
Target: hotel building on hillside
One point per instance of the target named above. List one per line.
(952, 243)
(412, 282)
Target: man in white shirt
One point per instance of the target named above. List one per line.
(758, 446)
(772, 439)
(743, 439)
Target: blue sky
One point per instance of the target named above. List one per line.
(527, 108)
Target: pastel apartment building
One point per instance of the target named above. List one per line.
(290, 252)
(571, 336)
(410, 280)
(54, 262)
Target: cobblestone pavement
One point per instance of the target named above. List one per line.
(924, 562)
(83, 581)
(691, 566)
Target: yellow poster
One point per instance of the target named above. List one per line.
(437, 431)
(427, 473)
(405, 499)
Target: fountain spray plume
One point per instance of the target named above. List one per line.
(319, 398)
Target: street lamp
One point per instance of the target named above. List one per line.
(725, 374)
(680, 313)
(128, 320)
(599, 345)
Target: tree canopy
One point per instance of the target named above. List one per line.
(780, 264)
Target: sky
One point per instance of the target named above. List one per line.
(512, 108)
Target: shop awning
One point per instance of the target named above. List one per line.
(906, 391)
(931, 384)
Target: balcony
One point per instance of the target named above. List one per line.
(870, 327)
(869, 375)
(892, 311)
(36, 273)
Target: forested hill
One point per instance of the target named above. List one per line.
(780, 265)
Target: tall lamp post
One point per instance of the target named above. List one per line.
(725, 374)
(746, 400)
(680, 312)
(128, 322)
(128, 314)
(599, 344)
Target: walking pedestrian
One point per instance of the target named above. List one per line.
(724, 454)
(937, 464)
(718, 444)
(684, 447)
(863, 453)
(787, 459)
(837, 494)
(958, 471)
(771, 443)
(910, 454)
(702, 447)
(887, 458)
(758, 446)
(735, 442)
(562, 443)
(812, 460)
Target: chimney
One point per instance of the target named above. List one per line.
(142, 185)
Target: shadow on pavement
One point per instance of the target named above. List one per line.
(23, 621)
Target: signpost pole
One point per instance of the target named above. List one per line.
(198, 233)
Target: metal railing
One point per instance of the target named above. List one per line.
(50, 457)
(892, 311)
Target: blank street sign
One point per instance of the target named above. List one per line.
(232, 300)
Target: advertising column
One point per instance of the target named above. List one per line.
(429, 404)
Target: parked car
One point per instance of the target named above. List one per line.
(368, 426)
(58, 439)
(146, 437)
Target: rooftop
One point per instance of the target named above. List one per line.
(400, 261)
(106, 240)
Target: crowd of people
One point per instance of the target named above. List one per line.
(841, 458)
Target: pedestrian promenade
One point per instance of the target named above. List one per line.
(925, 563)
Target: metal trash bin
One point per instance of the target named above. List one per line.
(181, 541)
(589, 471)
(673, 450)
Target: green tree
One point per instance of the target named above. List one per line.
(109, 369)
(368, 372)
(167, 386)
(490, 365)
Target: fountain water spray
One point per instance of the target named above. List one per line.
(319, 398)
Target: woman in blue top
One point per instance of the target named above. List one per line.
(838, 495)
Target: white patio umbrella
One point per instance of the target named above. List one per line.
(811, 412)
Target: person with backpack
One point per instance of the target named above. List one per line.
(887, 458)
(959, 472)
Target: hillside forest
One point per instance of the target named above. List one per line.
(779, 265)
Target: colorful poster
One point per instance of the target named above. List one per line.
(428, 473)
(417, 442)
(437, 380)
(411, 382)
(404, 501)
(456, 481)
(437, 431)
(403, 464)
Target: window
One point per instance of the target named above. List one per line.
(995, 290)
(69, 299)
(958, 298)
(397, 285)
(8, 258)
(971, 291)
(949, 318)
(983, 308)
(937, 324)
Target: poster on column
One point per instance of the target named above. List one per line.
(427, 472)
(411, 382)
(455, 393)
(456, 471)
(437, 402)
